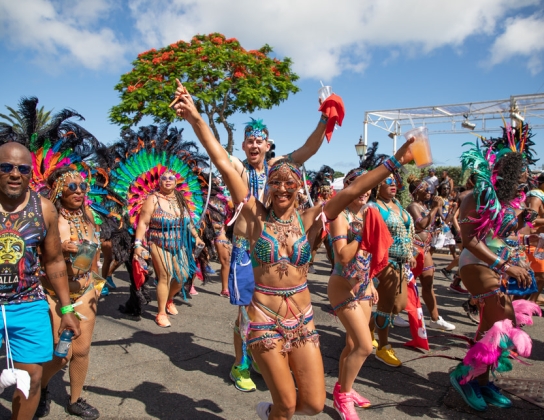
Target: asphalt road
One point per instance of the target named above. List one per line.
(140, 371)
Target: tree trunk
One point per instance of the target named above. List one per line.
(211, 121)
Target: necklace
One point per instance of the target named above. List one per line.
(256, 181)
(385, 204)
(75, 220)
(174, 209)
(284, 228)
(355, 215)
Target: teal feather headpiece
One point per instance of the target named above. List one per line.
(256, 128)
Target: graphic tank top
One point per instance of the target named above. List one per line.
(20, 234)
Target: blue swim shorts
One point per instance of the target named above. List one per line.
(29, 330)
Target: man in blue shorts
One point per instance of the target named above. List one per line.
(28, 222)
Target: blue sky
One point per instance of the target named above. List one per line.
(376, 54)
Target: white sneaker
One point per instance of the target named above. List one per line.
(398, 321)
(263, 410)
(443, 325)
(311, 269)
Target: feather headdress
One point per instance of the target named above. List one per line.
(140, 159)
(483, 163)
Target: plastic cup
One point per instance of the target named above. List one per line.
(420, 148)
(324, 92)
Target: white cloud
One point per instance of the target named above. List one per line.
(61, 32)
(523, 36)
(326, 39)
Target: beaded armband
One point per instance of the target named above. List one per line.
(339, 237)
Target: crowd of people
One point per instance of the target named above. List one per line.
(151, 202)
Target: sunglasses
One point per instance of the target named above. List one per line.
(73, 186)
(168, 178)
(290, 186)
(9, 167)
(390, 181)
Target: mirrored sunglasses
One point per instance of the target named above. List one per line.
(8, 167)
(290, 186)
(73, 186)
(390, 181)
(168, 178)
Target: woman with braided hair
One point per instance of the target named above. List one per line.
(423, 222)
(281, 330)
(493, 266)
(351, 290)
(165, 221)
(76, 224)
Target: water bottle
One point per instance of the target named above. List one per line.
(539, 251)
(64, 343)
(198, 249)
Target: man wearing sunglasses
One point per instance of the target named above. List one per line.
(29, 241)
(254, 171)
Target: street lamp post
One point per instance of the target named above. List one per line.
(360, 148)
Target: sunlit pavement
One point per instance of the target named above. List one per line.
(141, 371)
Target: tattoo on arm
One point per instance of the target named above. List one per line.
(57, 274)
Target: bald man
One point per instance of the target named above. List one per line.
(29, 241)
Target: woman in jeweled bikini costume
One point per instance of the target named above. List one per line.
(282, 335)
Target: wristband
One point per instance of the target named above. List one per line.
(504, 268)
(358, 239)
(324, 119)
(67, 309)
(496, 263)
(394, 160)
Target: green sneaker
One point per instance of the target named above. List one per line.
(470, 393)
(241, 379)
(493, 395)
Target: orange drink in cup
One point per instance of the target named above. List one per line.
(420, 148)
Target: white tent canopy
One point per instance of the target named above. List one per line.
(338, 184)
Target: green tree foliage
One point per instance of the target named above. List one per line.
(221, 75)
(338, 174)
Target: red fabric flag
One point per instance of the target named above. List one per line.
(377, 240)
(333, 108)
(415, 317)
(420, 260)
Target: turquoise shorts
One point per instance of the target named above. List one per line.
(29, 330)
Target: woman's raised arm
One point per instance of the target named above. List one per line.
(185, 108)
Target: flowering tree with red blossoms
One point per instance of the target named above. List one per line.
(221, 75)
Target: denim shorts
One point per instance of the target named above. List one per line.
(29, 330)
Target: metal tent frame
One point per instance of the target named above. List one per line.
(481, 117)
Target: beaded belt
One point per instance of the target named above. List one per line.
(280, 291)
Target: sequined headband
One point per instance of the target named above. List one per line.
(59, 183)
(351, 176)
(284, 169)
(255, 128)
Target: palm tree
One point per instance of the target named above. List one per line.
(32, 127)
(27, 119)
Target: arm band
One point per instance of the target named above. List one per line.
(339, 237)
(67, 309)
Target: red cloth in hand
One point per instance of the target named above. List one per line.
(377, 240)
(332, 107)
(420, 260)
(138, 273)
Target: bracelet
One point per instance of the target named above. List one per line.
(504, 268)
(67, 309)
(137, 245)
(496, 263)
(394, 160)
(358, 239)
(324, 119)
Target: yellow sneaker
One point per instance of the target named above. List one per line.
(387, 355)
(375, 343)
(241, 379)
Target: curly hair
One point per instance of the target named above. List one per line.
(508, 170)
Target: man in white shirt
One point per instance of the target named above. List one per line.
(432, 181)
